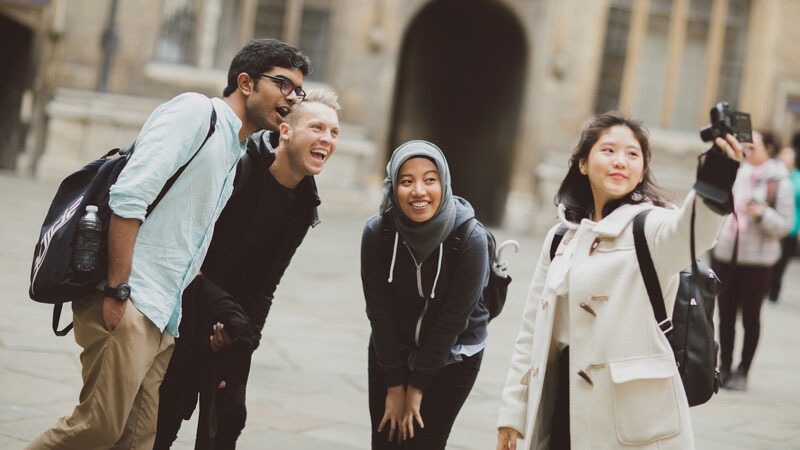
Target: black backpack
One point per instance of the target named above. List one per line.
(495, 292)
(53, 277)
(691, 331)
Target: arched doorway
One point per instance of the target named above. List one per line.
(460, 85)
(16, 41)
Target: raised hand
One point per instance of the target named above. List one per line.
(732, 147)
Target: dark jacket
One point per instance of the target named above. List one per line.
(195, 369)
(240, 274)
(415, 335)
(240, 259)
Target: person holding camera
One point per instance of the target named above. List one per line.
(764, 204)
(591, 367)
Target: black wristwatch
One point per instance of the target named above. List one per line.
(120, 293)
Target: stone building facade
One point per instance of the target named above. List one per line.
(503, 86)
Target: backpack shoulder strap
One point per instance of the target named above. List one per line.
(560, 232)
(648, 270)
(387, 228)
(174, 177)
(771, 192)
(459, 239)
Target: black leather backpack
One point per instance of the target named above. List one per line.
(691, 331)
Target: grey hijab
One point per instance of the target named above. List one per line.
(421, 237)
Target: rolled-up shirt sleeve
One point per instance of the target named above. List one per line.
(167, 140)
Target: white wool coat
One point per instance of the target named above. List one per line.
(636, 398)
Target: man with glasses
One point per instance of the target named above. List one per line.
(274, 204)
(127, 331)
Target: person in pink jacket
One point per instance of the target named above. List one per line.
(591, 368)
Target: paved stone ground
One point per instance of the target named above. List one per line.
(308, 382)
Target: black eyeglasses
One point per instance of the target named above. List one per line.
(287, 87)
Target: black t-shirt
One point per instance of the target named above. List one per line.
(278, 206)
(248, 235)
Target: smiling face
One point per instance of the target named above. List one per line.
(419, 189)
(266, 106)
(310, 137)
(615, 165)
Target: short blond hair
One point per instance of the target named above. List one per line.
(322, 96)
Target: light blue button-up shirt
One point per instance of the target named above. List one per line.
(173, 241)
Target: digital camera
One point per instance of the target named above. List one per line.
(726, 121)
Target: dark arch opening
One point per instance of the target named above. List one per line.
(460, 85)
(16, 43)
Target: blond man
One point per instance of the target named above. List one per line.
(273, 205)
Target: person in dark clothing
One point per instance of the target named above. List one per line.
(428, 320)
(274, 203)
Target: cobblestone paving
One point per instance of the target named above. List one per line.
(308, 381)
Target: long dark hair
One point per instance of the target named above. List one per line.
(575, 191)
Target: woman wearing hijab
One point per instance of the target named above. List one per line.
(424, 304)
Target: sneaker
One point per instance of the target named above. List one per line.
(737, 381)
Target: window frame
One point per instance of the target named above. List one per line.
(679, 15)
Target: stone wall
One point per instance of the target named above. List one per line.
(564, 41)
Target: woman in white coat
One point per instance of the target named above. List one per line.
(591, 368)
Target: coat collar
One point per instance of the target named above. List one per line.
(612, 225)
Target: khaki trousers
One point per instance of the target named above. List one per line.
(122, 371)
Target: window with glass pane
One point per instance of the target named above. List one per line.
(691, 74)
(177, 43)
(732, 65)
(269, 19)
(314, 38)
(227, 33)
(609, 84)
(651, 73)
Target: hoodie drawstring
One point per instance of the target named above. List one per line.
(438, 270)
(394, 256)
(438, 266)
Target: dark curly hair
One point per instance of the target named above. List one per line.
(262, 55)
(575, 191)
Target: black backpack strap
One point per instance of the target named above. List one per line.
(459, 239)
(57, 318)
(387, 227)
(557, 237)
(648, 271)
(175, 176)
